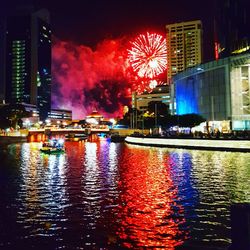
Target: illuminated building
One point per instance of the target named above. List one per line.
(54, 115)
(184, 46)
(28, 60)
(60, 115)
(94, 118)
(232, 33)
(159, 94)
(218, 90)
(2, 64)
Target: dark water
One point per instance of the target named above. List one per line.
(116, 196)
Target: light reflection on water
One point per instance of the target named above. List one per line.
(115, 195)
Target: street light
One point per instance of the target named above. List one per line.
(156, 115)
(27, 123)
(143, 122)
(47, 121)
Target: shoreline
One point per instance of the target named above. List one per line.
(234, 145)
(5, 139)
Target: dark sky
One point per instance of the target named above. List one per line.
(90, 21)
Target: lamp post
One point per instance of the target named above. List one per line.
(143, 122)
(27, 123)
(136, 118)
(156, 115)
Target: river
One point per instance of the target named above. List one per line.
(103, 195)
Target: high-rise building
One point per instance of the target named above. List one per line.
(2, 60)
(28, 60)
(184, 46)
(231, 28)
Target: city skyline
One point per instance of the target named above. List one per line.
(125, 124)
(90, 68)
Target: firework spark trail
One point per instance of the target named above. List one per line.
(148, 55)
(84, 79)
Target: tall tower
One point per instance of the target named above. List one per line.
(28, 60)
(2, 59)
(184, 46)
(232, 27)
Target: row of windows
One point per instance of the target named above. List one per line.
(18, 47)
(18, 64)
(18, 56)
(18, 93)
(17, 84)
(182, 29)
(18, 90)
(18, 76)
(183, 36)
(18, 60)
(41, 40)
(18, 79)
(18, 41)
(18, 68)
(18, 50)
(18, 71)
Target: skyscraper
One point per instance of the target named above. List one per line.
(231, 28)
(2, 60)
(28, 60)
(184, 46)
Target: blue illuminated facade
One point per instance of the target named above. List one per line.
(187, 97)
(218, 90)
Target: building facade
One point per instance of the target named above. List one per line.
(60, 115)
(218, 90)
(184, 46)
(28, 60)
(160, 93)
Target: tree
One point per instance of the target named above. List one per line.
(11, 115)
(159, 107)
(4, 122)
(190, 120)
(131, 117)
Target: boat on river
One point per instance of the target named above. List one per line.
(53, 146)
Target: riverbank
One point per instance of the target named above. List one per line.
(192, 143)
(12, 139)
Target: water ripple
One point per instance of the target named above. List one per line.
(113, 195)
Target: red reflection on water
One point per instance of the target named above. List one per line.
(148, 196)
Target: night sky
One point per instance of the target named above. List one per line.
(90, 41)
(90, 21)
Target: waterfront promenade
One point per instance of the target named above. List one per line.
(192, 143)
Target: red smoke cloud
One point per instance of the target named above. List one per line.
(85, 79)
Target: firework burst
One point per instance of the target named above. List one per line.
(148, 55)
